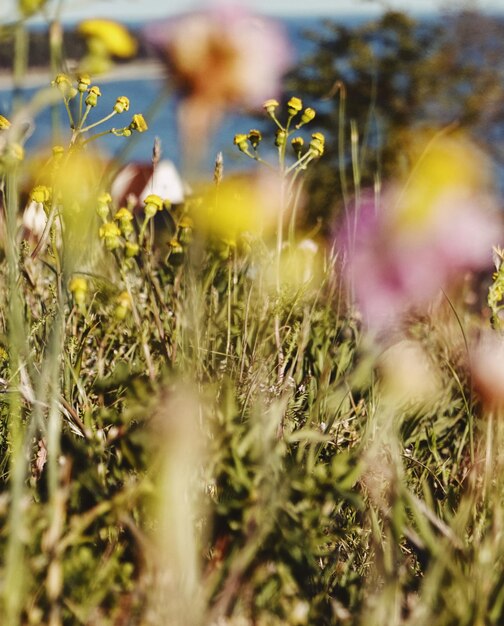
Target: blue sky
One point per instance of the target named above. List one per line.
(138, 9)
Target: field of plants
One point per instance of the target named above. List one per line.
(275, 401)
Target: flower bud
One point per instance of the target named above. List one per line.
(78, 287)
(124, 217)
(270, 106)
(63, 83)
(40, 194)
(131, 249)
(280, 137)
(175, 246)
(297, 144)
(255, 138)
(153, 204)
(121, 104)
(308, 115)
(241, 141)
(138, 123)
(294, 106)
(317, 144)
(103, 209)
(83, 82)
(92, 98)
(123, 302)
(110, 234)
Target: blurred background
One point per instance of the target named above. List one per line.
(423, 68)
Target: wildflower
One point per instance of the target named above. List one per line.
(297, 144)
(78, 287)
(131, 249)
(153, 204)
(270, 106)
(255, 138)
(4, 123)
(138, 123)
(40, 194)
(108, 37)
(92, 98)
(123, 305)
(110, 233)
(83, 82)
(64, 84)
(280, 137)
(421, 238)
(104, 200)
(317, 144)
(307, 116)
(241, 141)
(122, 104)
(124, 217)
(294, 106)
(175, 246)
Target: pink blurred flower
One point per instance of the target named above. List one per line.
(487, 368)
(420, 239)
(221, 58)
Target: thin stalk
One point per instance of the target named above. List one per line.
(104, 119)
(13, 585)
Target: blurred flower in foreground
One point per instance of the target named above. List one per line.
(220, 58)
(408, 376)
(487, 368)
(239, 204)
(105, 39)
(422, 236)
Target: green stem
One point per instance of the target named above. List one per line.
(104, 119)
(13, 585)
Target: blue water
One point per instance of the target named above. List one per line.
(148, 96)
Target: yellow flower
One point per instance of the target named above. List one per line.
(124, 217)
(123, 302)
(241, 141)
(4, 123)
(308, 115)
(294, 106)
(317, 144)
(78, 284)
(297, 144)
(110, 233)
(78, 288)
(132, 249)
(112, 36)
(64, 84)
(92, 98)
(83, 82)
(138, 123)
(280, 137)
(153, 204)
(122, 104)
(270, 105)
(255, 137)
(40, 194)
